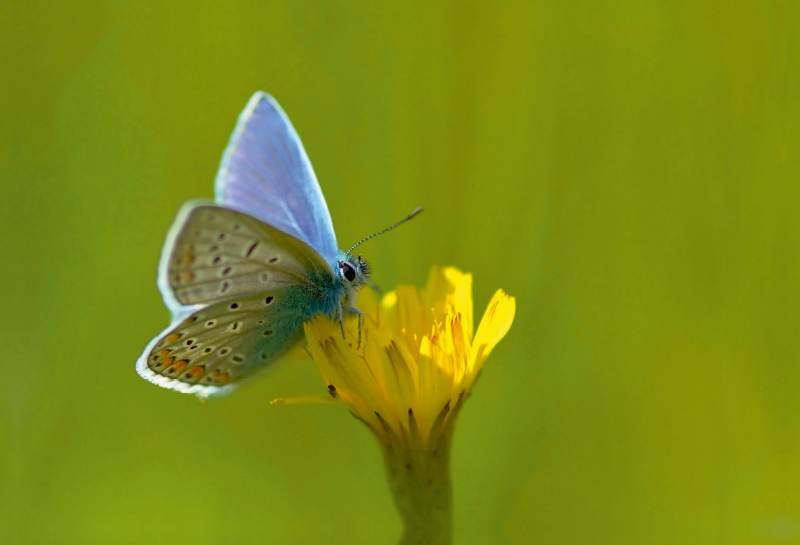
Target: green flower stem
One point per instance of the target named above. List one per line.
(419, 477)
(420, 484)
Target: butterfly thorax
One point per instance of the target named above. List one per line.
(320, 294)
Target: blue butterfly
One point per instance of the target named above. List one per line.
(242, 275)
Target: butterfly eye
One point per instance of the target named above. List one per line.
(349, 273)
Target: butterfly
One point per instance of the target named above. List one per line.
(242, 274)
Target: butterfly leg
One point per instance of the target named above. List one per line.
(304, 346)
(339, 315)
(360, 321)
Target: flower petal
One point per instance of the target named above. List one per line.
(449, 289)
(435, 384)
(297, 400)
(367, 301)
(494, 325)
(340, 365)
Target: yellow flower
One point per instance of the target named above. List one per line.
(407, 381)
(418, 357)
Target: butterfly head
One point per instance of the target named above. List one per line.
(353, 271)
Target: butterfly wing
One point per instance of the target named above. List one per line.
(239, 291)
(214, 253)
(214, 349)
(241, 278)
(265, 172)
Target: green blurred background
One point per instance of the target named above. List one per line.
(629, 170)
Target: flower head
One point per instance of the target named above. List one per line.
(418, 358)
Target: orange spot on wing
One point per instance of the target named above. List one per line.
(167, 362)
(180, 366)
(163, 353)
(219, 377)
(196, 372)
(190, 320)
(188, 259)
(174, 337)
(187, 277)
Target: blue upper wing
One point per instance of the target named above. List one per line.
(266, 173)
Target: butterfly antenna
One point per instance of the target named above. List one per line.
(405, 219)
